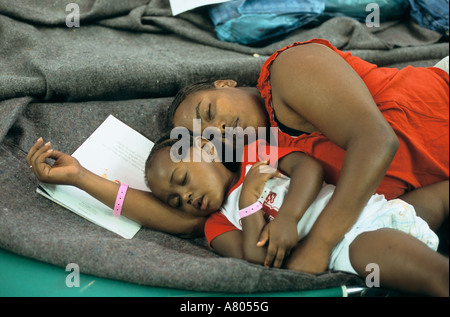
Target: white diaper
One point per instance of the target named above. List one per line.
(380, 213)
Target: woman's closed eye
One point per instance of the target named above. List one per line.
(208, 112)
(209, 115)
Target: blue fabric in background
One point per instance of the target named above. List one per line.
(431, 14)
(250, 21)
(389, 9)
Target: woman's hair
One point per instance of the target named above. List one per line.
(182, 94)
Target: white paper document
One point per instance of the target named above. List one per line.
(116, 152)
(180, 6)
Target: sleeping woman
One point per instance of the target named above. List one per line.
(373, 130)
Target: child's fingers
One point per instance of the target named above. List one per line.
(37, 162)
(270, 255)
(37, 154)
(269, 171)
(263, 167)
(274, 256)
(50, 153)
(36, 146)
(258, 165)
(279, 258)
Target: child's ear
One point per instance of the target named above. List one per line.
(223, 83)
(209, 151)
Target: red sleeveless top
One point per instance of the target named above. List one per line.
(415, 102)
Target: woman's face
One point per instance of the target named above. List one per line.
(222, 107)
(198, 188)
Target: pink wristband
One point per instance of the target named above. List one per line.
(258, 205)
(250, 210)
(120, 198)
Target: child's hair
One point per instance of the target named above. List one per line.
(167, 141)
(163, 142)
(182, 94)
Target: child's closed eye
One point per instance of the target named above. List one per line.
(174, 201)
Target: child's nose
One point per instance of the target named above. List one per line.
(187, 197)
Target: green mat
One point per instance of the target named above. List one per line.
(25, 277)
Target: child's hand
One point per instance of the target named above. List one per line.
(65, 171)
(281, 236)
(254, 182)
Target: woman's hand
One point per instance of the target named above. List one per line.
(310, 256)
(65, 170)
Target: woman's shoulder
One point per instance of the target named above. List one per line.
(294, 54)
(300, 48)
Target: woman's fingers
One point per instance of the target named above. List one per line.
(263, 237)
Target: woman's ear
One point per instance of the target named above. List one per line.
(225, 83)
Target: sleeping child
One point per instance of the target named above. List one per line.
(260, 213)
(263, 215)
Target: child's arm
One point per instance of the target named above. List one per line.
(253, 224)
(306, 180)
(139, 206)
(241, 244)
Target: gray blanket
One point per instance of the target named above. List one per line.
(128, 58)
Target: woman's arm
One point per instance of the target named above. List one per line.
(317, 85)
(139, 206)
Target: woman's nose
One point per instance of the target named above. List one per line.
(215, 127)
(221, 126)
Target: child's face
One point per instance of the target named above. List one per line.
(198, 188)
(221, 108)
